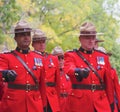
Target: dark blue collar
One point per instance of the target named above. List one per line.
(23, 51)
(85, 51)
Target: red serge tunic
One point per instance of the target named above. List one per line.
(52, 80)
(116, 86)
(86, 100)
(16, 100)
(65, 89)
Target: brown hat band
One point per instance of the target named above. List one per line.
(23, 30)
(88, 32)
(37, 39)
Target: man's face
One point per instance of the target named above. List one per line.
(87, 43)
(23, 39)
(61, 61)
(96, 45)
(39, 45)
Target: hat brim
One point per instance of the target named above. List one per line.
(100, 34)
(99, 41)
(58, 54)
(109, 53)
(39, 39)
(30, 30)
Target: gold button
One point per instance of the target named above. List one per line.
(90, 55)
(27, 63)
(72, 93)
(27, 82)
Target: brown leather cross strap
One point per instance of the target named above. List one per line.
(89, 86)
(89, 65)
(27, 87)
(26, 67)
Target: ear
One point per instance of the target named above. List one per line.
(15, 38)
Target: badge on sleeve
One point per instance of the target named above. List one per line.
(100, 60)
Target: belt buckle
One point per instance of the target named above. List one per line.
(28, 87)
(93, 87)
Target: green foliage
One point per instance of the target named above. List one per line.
(61, 20)
(8, 15)
(115, 58)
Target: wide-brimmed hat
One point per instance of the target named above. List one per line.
(38, 35)
(57, 51)
(22, 26)
(88, 29)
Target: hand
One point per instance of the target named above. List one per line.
(81, 73)
(86, 72)
(9, 75)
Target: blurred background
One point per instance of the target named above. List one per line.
(61, 20)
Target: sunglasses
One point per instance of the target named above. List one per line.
(61, 57)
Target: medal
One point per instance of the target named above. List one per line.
(51, 63)
(38, 62)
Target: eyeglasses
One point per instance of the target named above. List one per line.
(61, 57)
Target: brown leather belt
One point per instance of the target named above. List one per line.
(92, 87)
(64, 94)
(51, 84)
(27, 87)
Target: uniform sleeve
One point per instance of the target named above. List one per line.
(69, 65)
(117, 87)
(3, 62)
(1, 89)
(109, 83)
(57, 77)
(42, 87)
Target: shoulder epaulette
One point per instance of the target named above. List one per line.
(100, 51)
(7, 52)
(71, 50)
